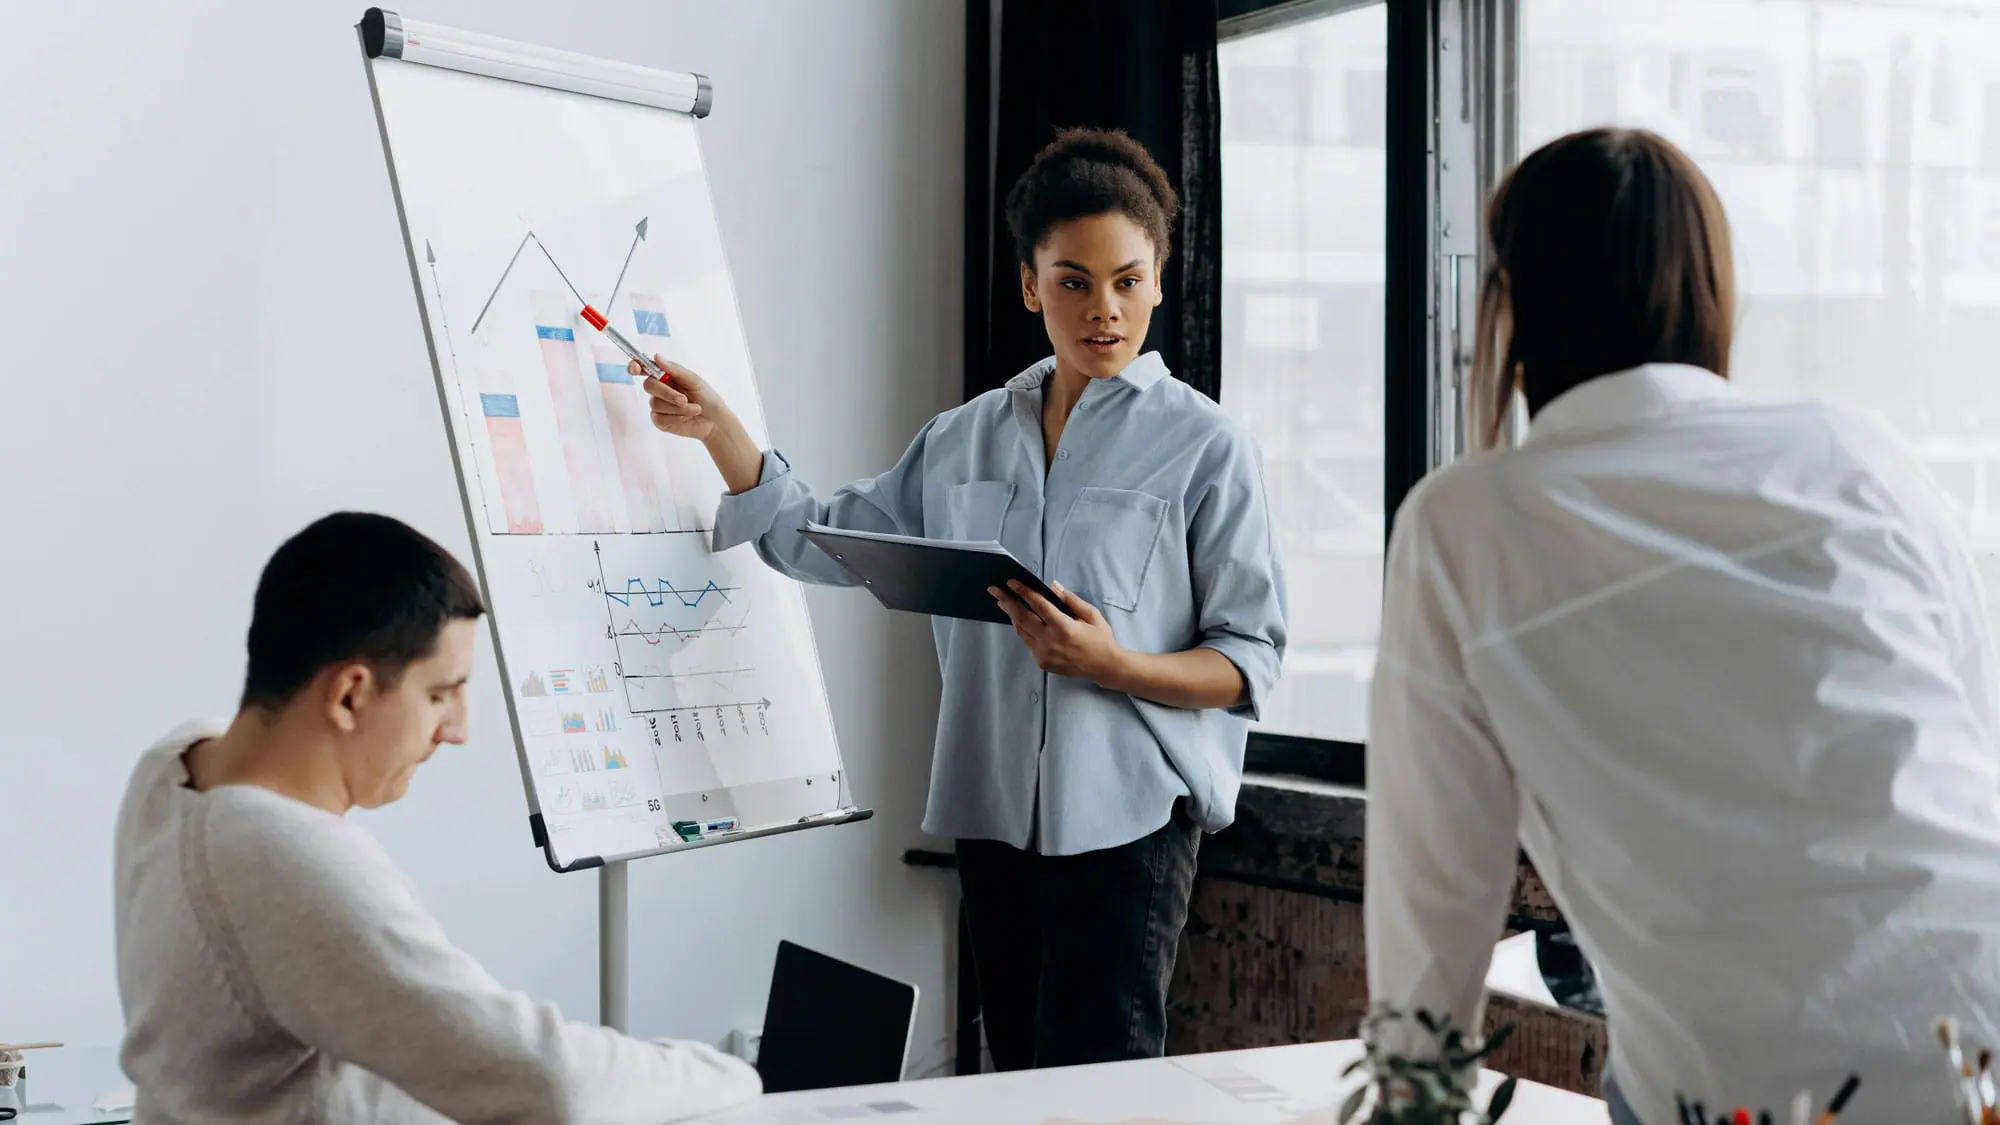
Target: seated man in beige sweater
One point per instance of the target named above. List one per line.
(274, 964)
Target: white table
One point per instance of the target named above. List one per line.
(1517, 975)
(1272, 1086)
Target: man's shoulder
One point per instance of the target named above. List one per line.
(252, 831)
(150, 789)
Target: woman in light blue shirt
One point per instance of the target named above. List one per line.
(1079, 755)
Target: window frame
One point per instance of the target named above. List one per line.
(1431, 237)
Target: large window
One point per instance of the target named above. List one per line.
(1856, 147)
(1303, 108)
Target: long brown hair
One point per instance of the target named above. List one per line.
(1609, 249)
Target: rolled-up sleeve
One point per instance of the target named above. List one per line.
(774, 512)
(1239, 582)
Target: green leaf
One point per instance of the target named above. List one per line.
(1352, 1105)
(1502, 1098)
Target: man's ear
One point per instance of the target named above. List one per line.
(1029, 296)
(1159, 282)
(347, 687)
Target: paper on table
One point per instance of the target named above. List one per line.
(116, 1099)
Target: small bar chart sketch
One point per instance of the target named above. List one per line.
(563, 439)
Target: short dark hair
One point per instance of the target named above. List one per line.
(1610, 250)
(351, 586)
(1086, 172)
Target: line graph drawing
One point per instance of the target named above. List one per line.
(539, 718)
(661, 589)
(654, 623)
(622, 794)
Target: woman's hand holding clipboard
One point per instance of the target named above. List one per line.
(1069, 637)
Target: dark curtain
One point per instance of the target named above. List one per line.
(1144, 66)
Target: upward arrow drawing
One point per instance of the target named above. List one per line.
(639, 234)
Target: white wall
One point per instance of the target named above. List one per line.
(211, 339)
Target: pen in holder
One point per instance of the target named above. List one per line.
(1695, 1113)
(1972, 1089)
(14, 1075)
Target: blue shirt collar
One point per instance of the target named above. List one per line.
(1141, 373)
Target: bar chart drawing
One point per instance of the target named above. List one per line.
(501, 408)
(563, 439)
(555, 328)
(697, 687)
(635, 442)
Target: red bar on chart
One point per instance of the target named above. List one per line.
(555, 318)
(634, 439)
(649, 318)
(502, 410)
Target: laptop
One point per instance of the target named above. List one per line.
(829, 1024)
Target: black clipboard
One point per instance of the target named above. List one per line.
(939, 577)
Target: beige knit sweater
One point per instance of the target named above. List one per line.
(277, 969)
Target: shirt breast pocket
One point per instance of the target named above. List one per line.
(976, 510)
(1109, 543)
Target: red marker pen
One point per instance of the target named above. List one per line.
(598, 321)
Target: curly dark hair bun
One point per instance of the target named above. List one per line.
(1086, 172)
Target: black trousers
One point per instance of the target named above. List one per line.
(1074, 953)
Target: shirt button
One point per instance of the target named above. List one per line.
(1083, 406)
(1062, 454)
(1034, 697)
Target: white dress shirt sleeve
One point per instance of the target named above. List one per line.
(1443, 810)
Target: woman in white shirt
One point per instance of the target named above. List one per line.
(1722, 668)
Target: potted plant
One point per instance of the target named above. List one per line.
(1433, 1087)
